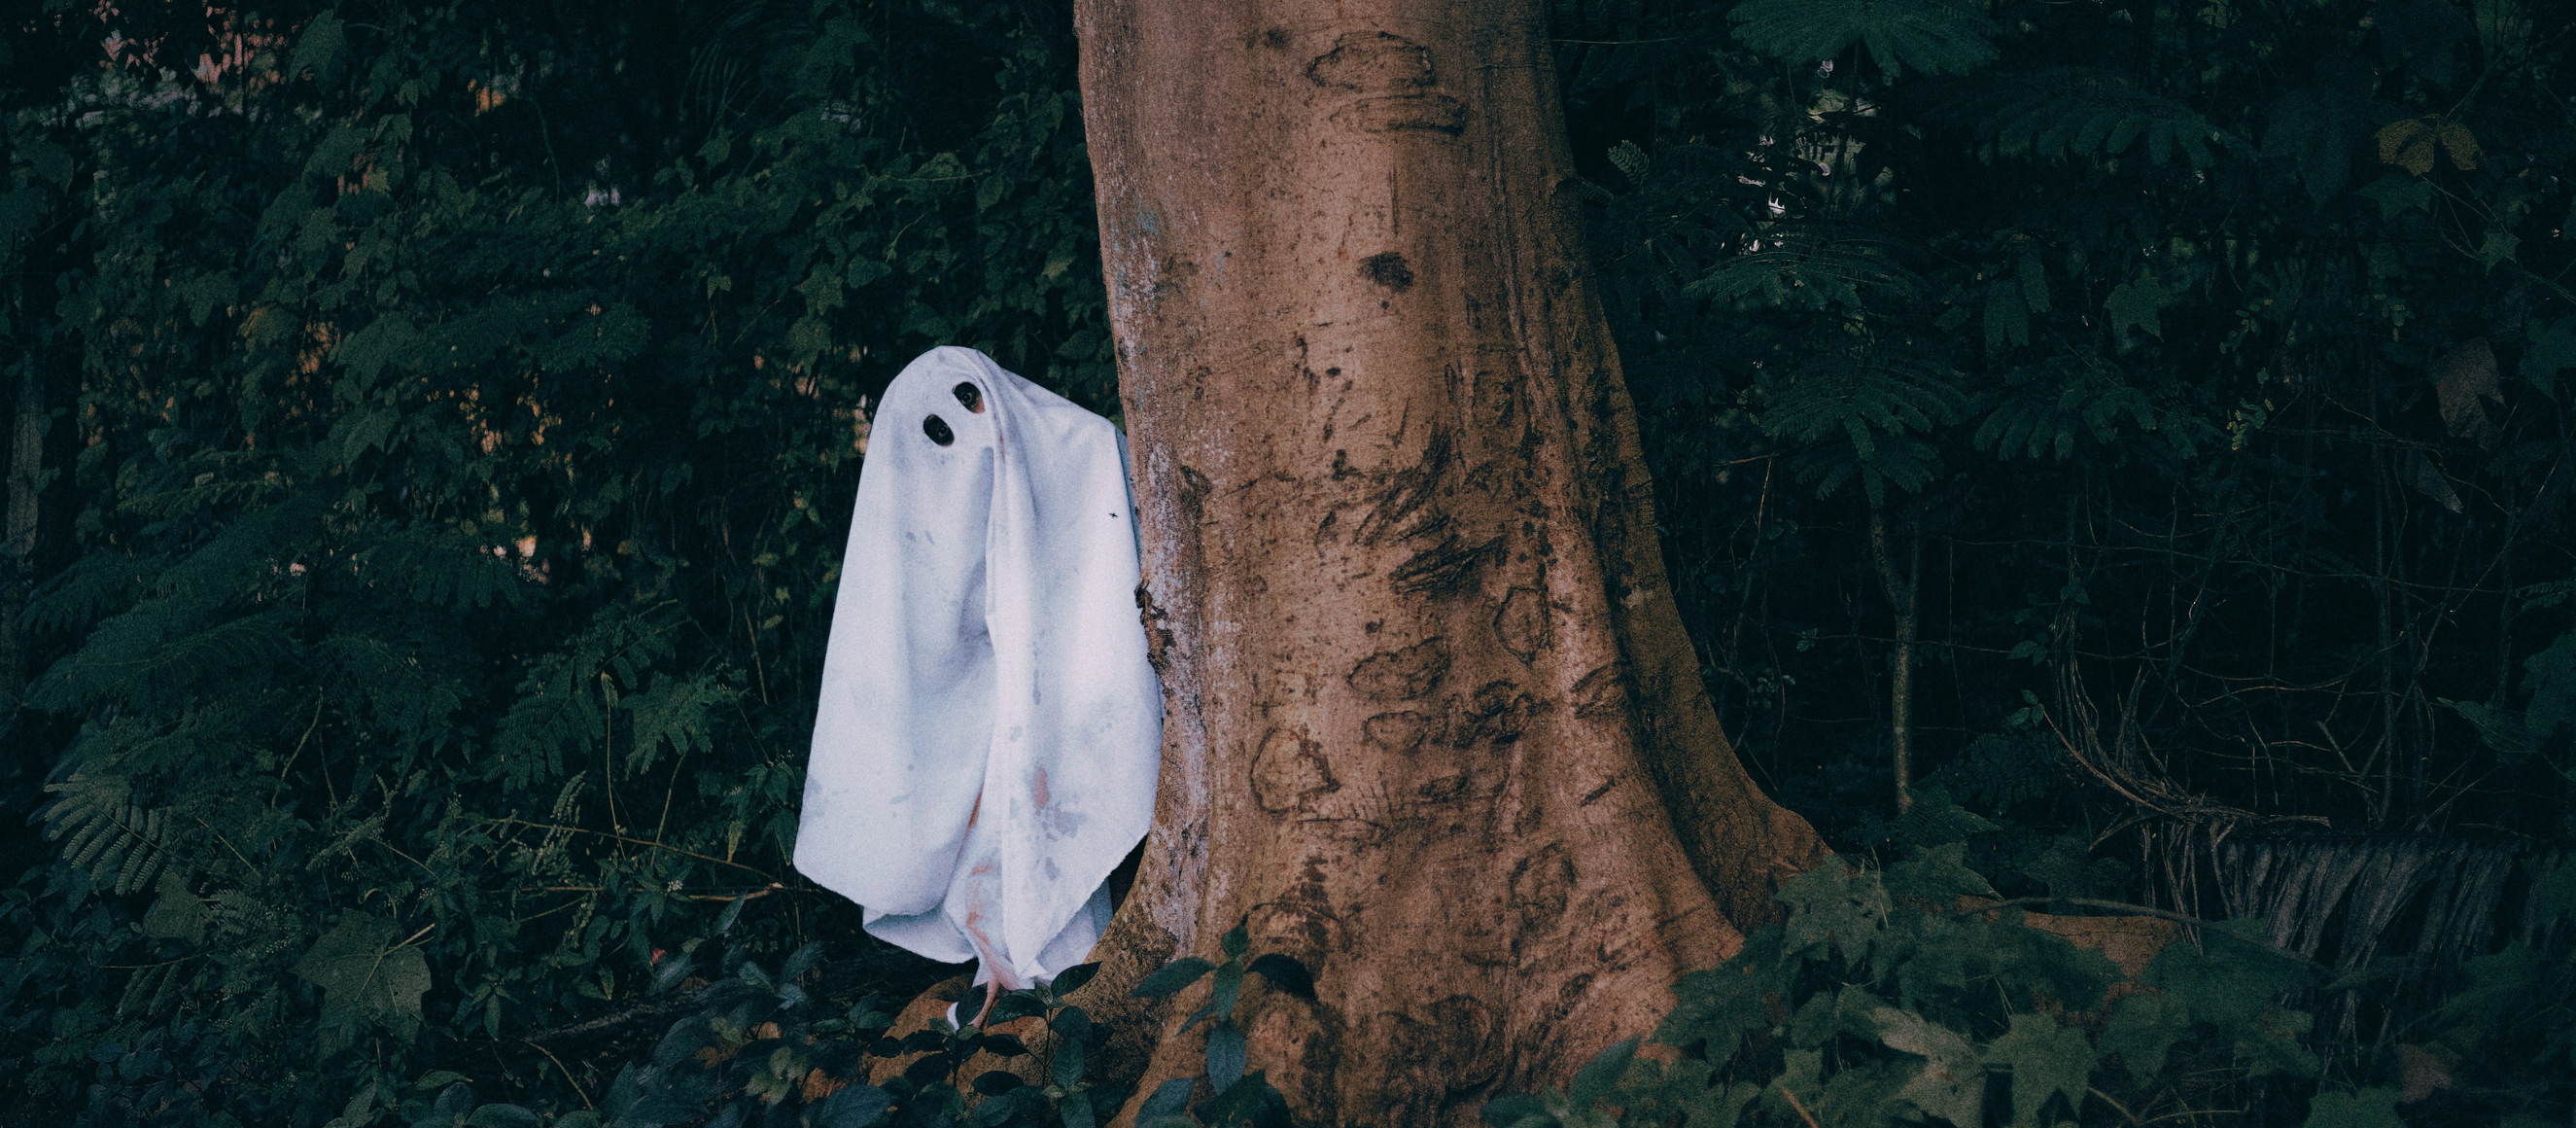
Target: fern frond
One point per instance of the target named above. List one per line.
(98, 585)
(1927, 36)
(676, 713)
(1632, 162)
(413, 690)
(1858, 411)
(2048, 408)
(103, 832)
(562, 702)
(1806, 267)
(1856, 392)
(218, 489)
(440, 568)
(2074, 112)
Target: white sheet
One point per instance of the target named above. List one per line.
(986, 744)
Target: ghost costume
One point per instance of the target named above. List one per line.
(989, 730)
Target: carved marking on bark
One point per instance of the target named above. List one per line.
(1497, 713)
(1445, 789)
(1541, 885)
(1404, 494)
(1453, 1051)
(1372, 61)
(1394, 732)
(1301, 922)
(1401, 675)
(1394, 79)
(1522, 623)
(1451, 567)
(1289, 771)
(1601, 693)
(1429, 113)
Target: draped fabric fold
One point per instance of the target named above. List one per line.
(989, 730)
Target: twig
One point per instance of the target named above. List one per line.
(764, 874)
(2105, 1098)
(585, 1097)
(1803, 1114)
(764, 891)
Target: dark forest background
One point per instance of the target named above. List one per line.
(2124, 441)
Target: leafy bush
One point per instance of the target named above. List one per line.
(448, 412)
(1894, 996)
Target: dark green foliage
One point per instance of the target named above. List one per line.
(1235, 1098)
(449, 412)
(1878, 1003)
(2207, 356)
(444, 414)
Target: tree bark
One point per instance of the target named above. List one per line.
(1433, 726)
(18, 513)
(1904, 592)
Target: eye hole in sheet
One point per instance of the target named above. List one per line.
(937, 429)
(971, 396)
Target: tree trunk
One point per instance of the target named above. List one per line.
(1904, 592)
(18, 513)
(1433, 726)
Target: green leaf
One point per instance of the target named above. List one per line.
(2034, 281)
(1171, 977)
(1951, 1083)
(1251, 1102)
(1072, 978)
(856, 1106)
(2046, 1060)
(2007, 314)
(2369, 1108)
(1934, 820)
(2552, 350)
(2277, 1044)
(503, 1116)
(319, 48)
(2549, 681)
(1595, 1079)
(1834, 907)
(364, 974)
(2223, 979)
(1067, 1066)
(1285, 974)
(1511, 1109)
(1224, 988)
(1926, 36)
(2310, 132)
(2395, 194)
(48, 160)
(1224, 1054)
(177, 914)
(2134, 304)
(1938, 875)
(1719, 1006)
(1168, 1099)
(2143, 1029)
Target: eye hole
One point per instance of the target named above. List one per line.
(937, 429)
(968, 394)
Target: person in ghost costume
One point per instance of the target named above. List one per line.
(989, 731)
